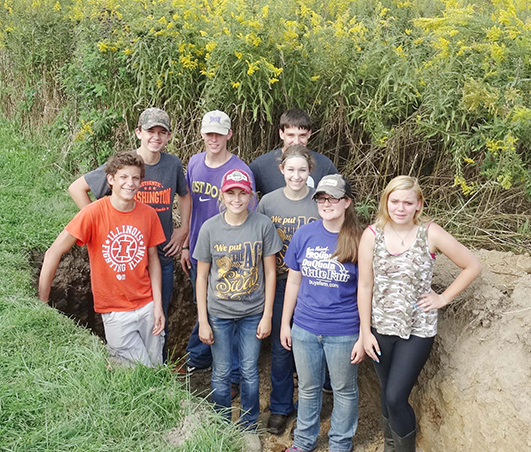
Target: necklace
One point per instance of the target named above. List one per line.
(398, 235)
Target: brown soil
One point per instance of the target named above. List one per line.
(473, 395)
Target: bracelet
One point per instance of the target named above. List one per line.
(186, 248)
(444, 299)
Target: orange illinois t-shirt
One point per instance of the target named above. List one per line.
(118, 245)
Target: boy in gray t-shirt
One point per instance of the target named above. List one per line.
(163, 182)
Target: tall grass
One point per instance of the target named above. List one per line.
(435, 89)
(59, 392)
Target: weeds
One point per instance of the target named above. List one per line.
(432, 89)
(443, 81)
(453, 73)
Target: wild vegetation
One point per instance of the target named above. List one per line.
(436, 89)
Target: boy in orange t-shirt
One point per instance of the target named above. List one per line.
(122, 237)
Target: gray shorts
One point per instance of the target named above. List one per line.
(130, 336)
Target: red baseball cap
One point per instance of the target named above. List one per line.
(236, 178)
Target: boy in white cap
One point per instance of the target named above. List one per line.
(204, 175)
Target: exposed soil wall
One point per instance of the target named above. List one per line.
(474, 393)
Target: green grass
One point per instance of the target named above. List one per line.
(33, 198)
(58, 390)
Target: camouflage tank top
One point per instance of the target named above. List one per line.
(399, 280)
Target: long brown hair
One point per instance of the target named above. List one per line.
(349, 237)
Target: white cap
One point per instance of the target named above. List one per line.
(216, 122)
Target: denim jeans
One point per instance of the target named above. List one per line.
(198, 353)
(282, 364)
(248, 346)
(310, 352)
(167, 291)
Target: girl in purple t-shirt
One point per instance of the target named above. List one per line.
(321, 298)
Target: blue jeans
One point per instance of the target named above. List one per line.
(248, 346)
(282, 364)
(198, 353)
(311, 353)
(167, 291)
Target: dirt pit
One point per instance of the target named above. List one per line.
(474, 393)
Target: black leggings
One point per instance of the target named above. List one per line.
(400, 364)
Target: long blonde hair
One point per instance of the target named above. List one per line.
(399, 183)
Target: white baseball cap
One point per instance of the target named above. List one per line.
(216, 122)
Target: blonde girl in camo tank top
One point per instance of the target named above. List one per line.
(396, 259)
(399, 281)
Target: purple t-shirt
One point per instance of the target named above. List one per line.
(203, 183)
(327, 301)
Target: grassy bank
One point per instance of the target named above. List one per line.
(58, 390)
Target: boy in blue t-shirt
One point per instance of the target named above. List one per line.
(295, 128)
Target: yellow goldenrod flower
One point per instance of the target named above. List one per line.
(497, 52)
(400, 51)
(505, 180)
(187, 62)
(252, 67)
(208, 74)
(465, 188)
(103, 46)
(494, 33)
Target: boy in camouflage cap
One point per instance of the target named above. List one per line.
(164, 179)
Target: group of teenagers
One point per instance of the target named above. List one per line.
(294, 264)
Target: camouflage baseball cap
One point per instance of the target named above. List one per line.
(216, 122)
(152, 117)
